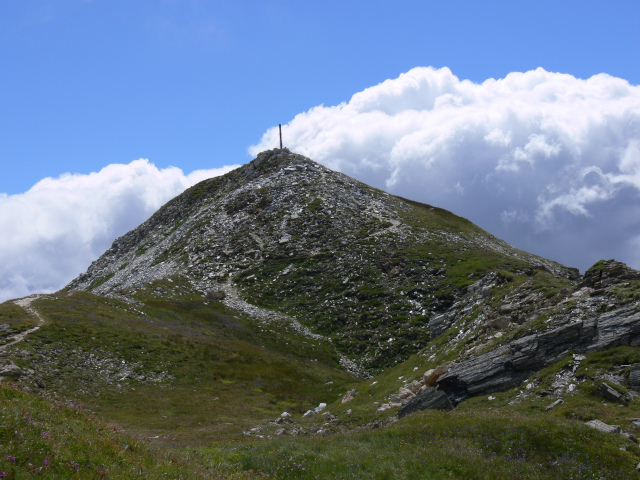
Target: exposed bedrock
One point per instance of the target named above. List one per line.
(507, 366)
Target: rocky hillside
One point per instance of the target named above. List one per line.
(378, 274)
(264, 310)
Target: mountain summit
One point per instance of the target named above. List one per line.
(372, 271)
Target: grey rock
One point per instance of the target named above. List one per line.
(439, 324)
(603, 427)
(330, 417)
(554, 404)
(610, 393)
(429, 399)
(629, 436)
(634, 377)
(350, 395)
(11, 370)
(282, 421)
(216, 295)
(610, 273)
(507, 366)
(280, 431)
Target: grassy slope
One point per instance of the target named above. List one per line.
(481, 439)
(44, 439)
(219, 370)
(212, 351)
(15, 320)
(436, 445)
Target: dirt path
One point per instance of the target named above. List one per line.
(26, 304)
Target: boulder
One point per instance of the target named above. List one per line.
(216, 295)
(403, 396)
(349, 395)
(429, 399)
(414, 386)
(330, 417)
(610, 393)
(431, 376)
(554, 404)
(282, 421)
(11, 370)
(500, 323)
(603, 427)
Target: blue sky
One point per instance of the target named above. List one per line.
(98, 99)
(194, 83)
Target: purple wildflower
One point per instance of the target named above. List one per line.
(45, 462)
(11, 459)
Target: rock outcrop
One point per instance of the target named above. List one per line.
(10, 370)
(507, 366)
(428, 399)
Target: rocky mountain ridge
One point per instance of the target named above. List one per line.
(379, 276)
(373, 272)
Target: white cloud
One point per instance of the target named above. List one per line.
(52, 232)
(547, 161)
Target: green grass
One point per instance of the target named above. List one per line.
(627, 292)
(100, 280)
(443, 445)
(197, 372)
(550, 285)
(227, 373)
(44, 439)
(15, 320)
(481, 439)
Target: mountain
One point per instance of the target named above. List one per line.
(367, 269)
(285, 300)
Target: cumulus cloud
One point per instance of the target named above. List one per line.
(52, 232)
(546, 161)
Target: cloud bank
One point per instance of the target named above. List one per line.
(52, 232)
(546, 161)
